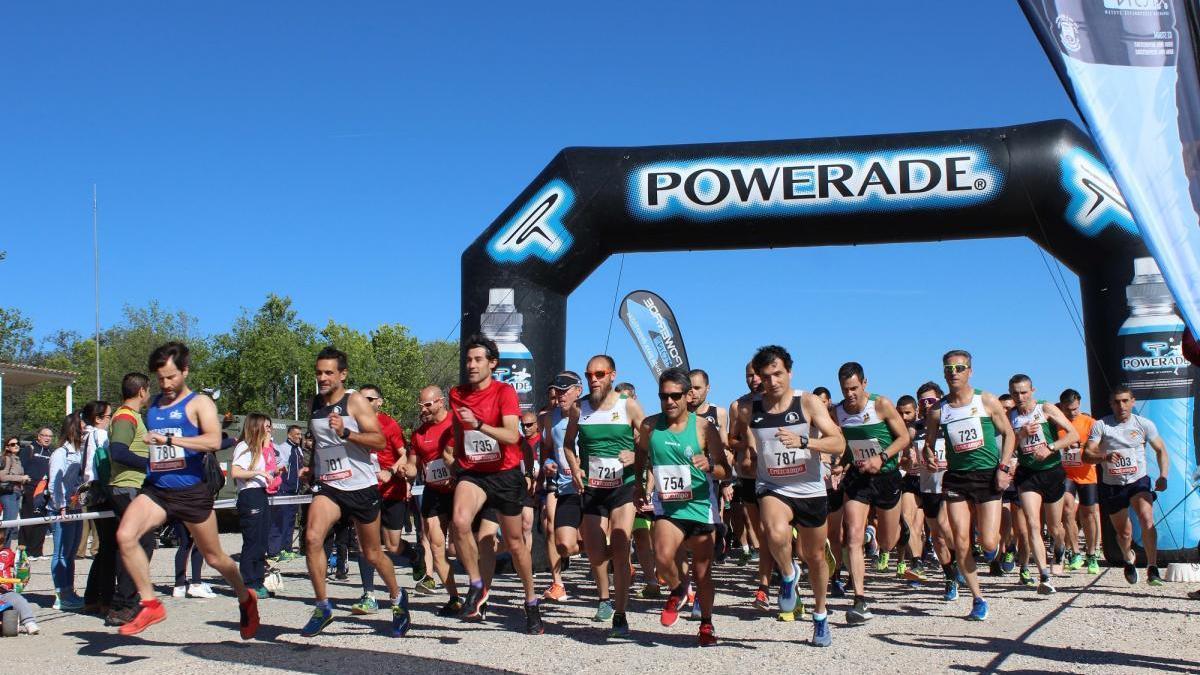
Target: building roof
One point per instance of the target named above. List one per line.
(19, 375)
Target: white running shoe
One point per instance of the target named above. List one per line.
(179, 592)
(200, 590)
(30, 628)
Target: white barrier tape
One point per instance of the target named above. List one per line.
(96, 515)
(275, 501)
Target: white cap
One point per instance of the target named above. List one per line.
(1142, 267)
(504, 296)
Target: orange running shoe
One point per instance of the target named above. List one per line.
(556, 592)
(149, 613)
(248, 615)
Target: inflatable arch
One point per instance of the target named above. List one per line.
(1044, 180)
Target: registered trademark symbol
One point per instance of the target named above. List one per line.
(980, 183)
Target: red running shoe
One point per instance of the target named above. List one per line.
(670, 611)
(149, 613)
(248, 615)
(708, 636)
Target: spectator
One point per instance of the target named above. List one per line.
(66, 475)
(188, 550)
(255, 473)
(283, 518)
(96, 415)
(36, 460)
(12, 482)
(8, 570)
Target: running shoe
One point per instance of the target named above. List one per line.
(322, 616)
(837, 588)
(1044, 586)
(901, 568)
(149, 613)
(743, 557)
(870, 547)
(958, 576)
(472, 609)
(821, 637)
(915, 575)
(761, 601)
(201, 590)
(120, 617)
(557, 593)
(651, 592)
(604, 611)
(1152, 577)
(830, 561)
(996, 568)
(708, 635)
(787, 590)
(401, 621)
(452, 607)
(30, 628)
(881, 565)
(367, 604)
(1131, 574)
(951, 593)
(860, 612)
(620, 626)
(1027, 577)
(754, 556)
(670, 610)
(696, 613)
(262, 593)
(977, 551)
(533, 620)
(1194, 595)
(67, 602)
(979, 610)
(1093, 564)
(287, 556)
(248, 616)
(1008, 562)
(1075, 561)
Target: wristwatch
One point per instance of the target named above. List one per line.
(478, 424)
(1006, 468)
(170, 440)
(345, 435)
(804, 442)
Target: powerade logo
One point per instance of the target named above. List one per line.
(537, 229)
(658, 344)
(1095, 201)
(711, 189)
(1159, 356)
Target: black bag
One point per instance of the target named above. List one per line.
(213, 476)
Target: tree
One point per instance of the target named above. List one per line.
(16, 336)
(441, 358)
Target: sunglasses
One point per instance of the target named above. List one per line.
(11, 445)
(955, 367)
(528, 425)
(597, 374)
(674, 396)
(372, 399)
(928, 401)
(429, 404)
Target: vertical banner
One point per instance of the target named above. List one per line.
(1130, 67)
(653, 327)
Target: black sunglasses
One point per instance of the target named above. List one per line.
(674, 396)
(372, 399)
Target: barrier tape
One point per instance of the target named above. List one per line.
(97, 515)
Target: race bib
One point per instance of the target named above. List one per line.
(167, 458)
(939, 451)
(375, 462)
(674, 482)
(1072, 456)
(605, 472)
(966, 434)
(437, 472)
(480, 448)
(1033, 444)
(784, 462)
(334, 465)
(864, 449)
(1121, 465)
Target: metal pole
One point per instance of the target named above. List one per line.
(296, 396)
(96, 254)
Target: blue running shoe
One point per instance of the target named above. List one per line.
(401, 621)
(979, 610)
(837, 588)
(821, 637)
(787, 590)
(958, 577)
(951, 591)
(322, 616)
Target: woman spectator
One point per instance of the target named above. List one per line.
(102, 577)
(12, 482)
(66, 475)
(255, 473)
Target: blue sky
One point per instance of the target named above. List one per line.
(346, 155)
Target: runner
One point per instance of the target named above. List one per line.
(717, 417)
(1082, 496)
(979, 447)
(182, 428)
(1014, 531)
(685, 453)
(531, 436)
(568, 514)
(875, 436)
(391, 469)
(912, 521)
(346, 431)
(600, 436)
(1040, 478)
(488, 458)
(1118, 442)
(745, 491)
(834, 472)
(433, 458)
(931, 471)
(791, 489)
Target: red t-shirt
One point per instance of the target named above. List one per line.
(428, 442)
(396, 489)
(474, 450)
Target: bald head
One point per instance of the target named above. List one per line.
(432, 403)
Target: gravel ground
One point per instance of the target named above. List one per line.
(1092, 624)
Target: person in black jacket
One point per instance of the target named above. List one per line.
(290, 457)
(36, 460)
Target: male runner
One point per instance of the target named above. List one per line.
(1014, 531)
(745, 492)
(1040, 478)
(912, 522)
(791, 489)
(488, 455)
(345, 429)
(717, 417)
(433, 458)
(182, 427)
(979, 446)
(875, 436)
(1082, 496)
(931, 472)
(568, 510)
(684, 452)
(1118, 442)
(834, 472)
(600, 446)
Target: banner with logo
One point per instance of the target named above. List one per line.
(1130, 66)
(653, 327)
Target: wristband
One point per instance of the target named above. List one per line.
(478, 424)
(345, 435)
(170, 440)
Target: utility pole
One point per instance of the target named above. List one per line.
(96, 255)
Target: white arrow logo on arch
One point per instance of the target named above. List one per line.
(538, 228)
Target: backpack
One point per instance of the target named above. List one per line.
(214, 477)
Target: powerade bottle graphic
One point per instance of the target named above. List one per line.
(502, 323)
(1162, 382)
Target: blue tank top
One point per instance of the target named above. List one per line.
(173, 467)
(558, 433)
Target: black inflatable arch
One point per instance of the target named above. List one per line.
(1044, 181)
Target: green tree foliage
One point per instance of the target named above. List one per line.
(16, 335)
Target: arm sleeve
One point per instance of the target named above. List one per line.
(122, 454)
(122, 434)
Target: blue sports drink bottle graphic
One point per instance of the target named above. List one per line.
(502, 323)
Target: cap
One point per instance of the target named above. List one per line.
(565, 381)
